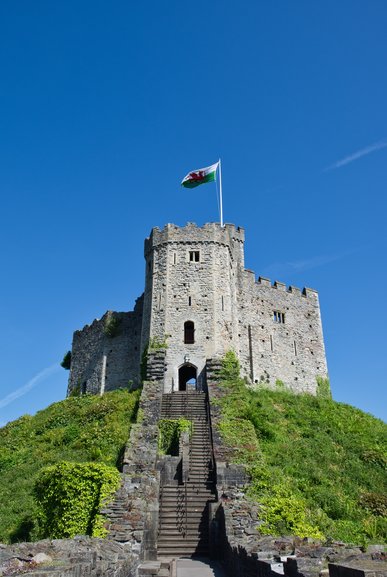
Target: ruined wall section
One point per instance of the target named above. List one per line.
(102, 363)
(281, 334)
(179, 289)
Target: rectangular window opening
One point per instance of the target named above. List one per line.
(222, 303)
(189, 301)
(279, 317)
(271, 344)
(194, 256)
(295, 348)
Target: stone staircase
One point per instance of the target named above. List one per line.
(184, 506)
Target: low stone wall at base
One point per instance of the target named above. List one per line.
(246, 553)
(78, 557)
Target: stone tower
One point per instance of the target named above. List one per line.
(191, 296)
(201, 301)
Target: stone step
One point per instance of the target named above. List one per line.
(170, 503)
(182, 548)
(191, 494)
(192, 525)
(184, 552)
(171, 517)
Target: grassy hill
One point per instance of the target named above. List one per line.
(78, 429)
(318, 467)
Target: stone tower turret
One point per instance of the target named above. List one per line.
(191, 296)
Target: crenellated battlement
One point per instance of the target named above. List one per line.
(210, 232)
(280, 286)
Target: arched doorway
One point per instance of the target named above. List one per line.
(187, 373)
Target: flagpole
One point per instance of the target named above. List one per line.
(220, 194)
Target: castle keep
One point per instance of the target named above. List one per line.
(202, 302)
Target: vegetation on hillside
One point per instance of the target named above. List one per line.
(70, 497)
(77, 430)
(317, 467)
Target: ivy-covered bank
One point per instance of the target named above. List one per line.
(81, 439)
(317, 467)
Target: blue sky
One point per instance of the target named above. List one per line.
(105, 106)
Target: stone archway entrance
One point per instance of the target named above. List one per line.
(187, 373)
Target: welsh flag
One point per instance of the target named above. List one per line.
(200, 176)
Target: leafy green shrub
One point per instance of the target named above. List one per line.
(323, 388)
(230, 367)
(284, 513)
(155, 343)
(240, 435)
(70, 497)
(170, 431)
(112, 325)
(75, 391)
(66, 363)
(374, 502)
(78, 429)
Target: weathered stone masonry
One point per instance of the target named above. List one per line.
(200, 298)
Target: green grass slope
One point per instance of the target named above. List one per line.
(318, 467)
(78, 429)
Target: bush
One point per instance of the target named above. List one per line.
(170, 431)
(323, 388)
(230, 367)
(66, 363)
(70, 497)
(112, 326)
(284, 513)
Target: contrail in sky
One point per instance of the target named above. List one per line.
(29, 385)
(283, 268)
(363, 152)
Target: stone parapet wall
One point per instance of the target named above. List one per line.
(133, 515)
(210, 232)
(227, 473)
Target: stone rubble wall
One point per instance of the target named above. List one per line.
(100, 363)
(78, 557)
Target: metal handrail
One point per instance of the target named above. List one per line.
(212, 458)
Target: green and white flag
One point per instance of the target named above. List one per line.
(200, 176)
